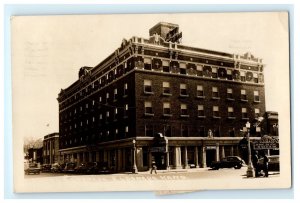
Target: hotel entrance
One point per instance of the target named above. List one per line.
(160, 160)
(210, 155)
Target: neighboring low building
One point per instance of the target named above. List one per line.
(50, 148)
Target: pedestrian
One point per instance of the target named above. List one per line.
(255, 163)
(153, 167)
(266, 165)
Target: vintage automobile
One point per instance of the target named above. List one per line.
(46, 168)
(228, 162)
(81, 168)
(69, 167)
(32, 169)
(93, 168)
(57, 168)
(273, 164)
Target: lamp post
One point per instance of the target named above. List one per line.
(250, 167)
(134, 168)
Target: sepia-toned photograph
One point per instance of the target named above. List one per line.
(151, 102)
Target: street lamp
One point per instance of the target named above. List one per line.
(250, 167)
(134, 168)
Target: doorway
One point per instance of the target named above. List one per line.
(210, 156)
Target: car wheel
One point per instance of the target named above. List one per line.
(237, 167)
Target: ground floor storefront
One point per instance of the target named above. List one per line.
(138, 153)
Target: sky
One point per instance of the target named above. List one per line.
(47, 52)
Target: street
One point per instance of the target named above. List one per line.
(184, 179)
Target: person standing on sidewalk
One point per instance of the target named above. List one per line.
(266, 165)
(153, 167)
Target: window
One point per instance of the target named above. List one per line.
(115, 94)
(148, 108)
(166, 88)
(202, 131)
(255, 76)
(166, 66)
(200, 111)
(199, 70)
(116, 132)
(107, 97)
(184, 131)
(214, 72)
(229, 74)
(167, 131)
(244, 113)
(93, 119)
(126, 110)
(107, 115)
(149, 130)
(100, 99)
(126, 131)
(125, 89)
(200, 92)
(183, 90)
(243, 77)
(230, 112)
(215, 93)
(100, 117)
(87, 105)
(116, 113)
(93, 102)
(216, 113)
(147, 64)
(148, 86)
(184, 111)
(182, 67)
(166, 108)
(229, 94)
(256, 96)
(257, 113)
(243, 95)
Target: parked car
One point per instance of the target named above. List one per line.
(81, 168)
(46, 168)
(57, 168)
(69, 167)
(32, 169)
(103, 168)
(228, 162)
(272, 166)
